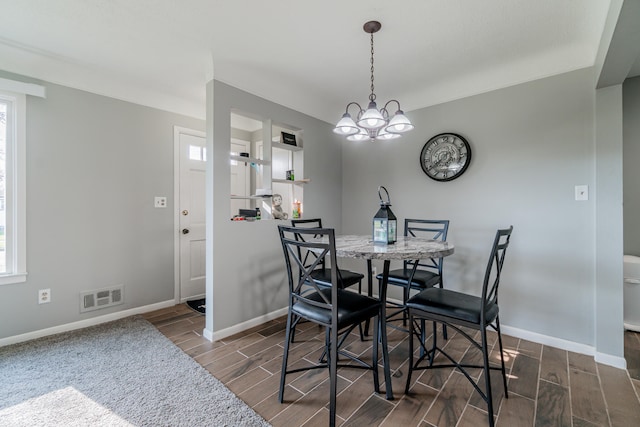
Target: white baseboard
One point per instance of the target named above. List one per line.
(85, 323)
(227, 332)
(606, 359)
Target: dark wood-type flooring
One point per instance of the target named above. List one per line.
(547, 386)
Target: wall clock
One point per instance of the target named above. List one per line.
(445, 156)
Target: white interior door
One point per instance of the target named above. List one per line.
(240, 179)
(193, 156)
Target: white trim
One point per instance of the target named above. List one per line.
(607, 359)
(22, 88)
(177, 131)
(84, 323)
(8, 279)
(232, 330)
(16, 189)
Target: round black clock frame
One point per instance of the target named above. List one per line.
(445, 157)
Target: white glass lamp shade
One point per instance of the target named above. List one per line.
(346, 126)
(360, 136)
(372, 118)
(384, 135)
(399, 123)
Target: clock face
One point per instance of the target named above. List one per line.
(445, 157)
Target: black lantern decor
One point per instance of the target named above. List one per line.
(384, 222)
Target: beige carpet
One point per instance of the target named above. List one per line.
(122, 373)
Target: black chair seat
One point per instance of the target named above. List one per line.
(422, 279)
(460, 311)
(346, 278)
(453, 305)
(352, 308)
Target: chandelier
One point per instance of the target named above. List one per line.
(373, 124)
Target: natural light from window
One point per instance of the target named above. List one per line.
(3, 169)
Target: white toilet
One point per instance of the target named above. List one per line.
(632, 293)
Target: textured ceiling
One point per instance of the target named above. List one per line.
(310, 56)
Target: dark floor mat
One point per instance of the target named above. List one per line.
(197, 305)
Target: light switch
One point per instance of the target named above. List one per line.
(160, 202)
(582, 192)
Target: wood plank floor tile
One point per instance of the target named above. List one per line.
(582, 362)
(554, 406)
(619, 395)
(516, 411)
(269, 407)
(530, 349)
(450, 402)
(524, 376)
(587, 401)
(497, 390)
(372, 413)
(355, 395)
(412, 407)
(247, 380)
(473, 417)
(250, 362)
(579, 422)
(554, 366)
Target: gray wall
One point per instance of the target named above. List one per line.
(532, 143)
(631, 150)
(245, 275)
(94, 165)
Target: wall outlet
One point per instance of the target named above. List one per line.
(44, 296)
(374, 272)
(160, 202)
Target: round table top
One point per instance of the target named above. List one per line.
(362, 247)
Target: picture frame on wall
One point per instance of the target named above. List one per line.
(289, 139)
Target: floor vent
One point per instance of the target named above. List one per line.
(101, 298)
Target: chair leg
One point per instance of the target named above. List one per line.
(487, 376)
(405, 298)
(332, 354)
(411, 332)
(285, 356)
(374, 358)
(504, 372)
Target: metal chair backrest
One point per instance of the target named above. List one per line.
(494, 266)
(429, 229)
(309, 257)
(322, 243)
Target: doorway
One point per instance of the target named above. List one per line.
(190, 159)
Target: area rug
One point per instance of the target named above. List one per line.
(122, 373)
(198, 305)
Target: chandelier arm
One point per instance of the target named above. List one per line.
(353, 103)
(389, 102)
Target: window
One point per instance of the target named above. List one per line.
(12, 187)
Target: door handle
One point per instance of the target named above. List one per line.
(185, 231)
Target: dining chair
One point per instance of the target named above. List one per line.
(418, 274)
(322, 274)
(333, 307)
(460, 310)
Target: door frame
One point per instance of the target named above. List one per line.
(177, 131)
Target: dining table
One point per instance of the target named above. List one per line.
(405, 248)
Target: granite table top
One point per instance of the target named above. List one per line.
(362, 247)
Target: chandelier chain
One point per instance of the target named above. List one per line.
(372, 97)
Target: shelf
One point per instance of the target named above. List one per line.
(285, 146)
(288, 181)
(249, 160)
(251, 197)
